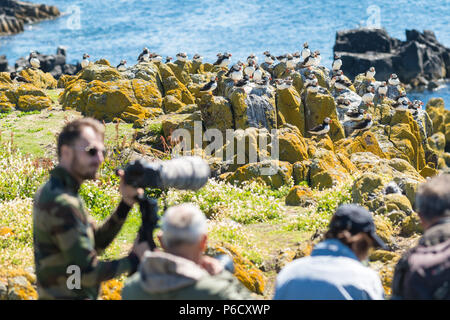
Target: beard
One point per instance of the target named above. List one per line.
(84, 172)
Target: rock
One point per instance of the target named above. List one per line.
(3, 63)
(14, 14)
(290, 109)
(292, 147)
(282, 173)
(245, 271)
(39, 79)
(384, 256)
(367, 142)
(326, 170)
(384, 229)
(19, 288)
(216, 112)
(30, 103)
(366, 187)
(3, 290)
(319, 106)
(419, 56)
(428, 172)
(101, 72)
(171, 122)
(300, 196)
(411, 225)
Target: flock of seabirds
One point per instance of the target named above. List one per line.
(251, 72)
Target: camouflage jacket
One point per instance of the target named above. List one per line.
(64, 236)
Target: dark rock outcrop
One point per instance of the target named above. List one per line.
(3, 64)
(419, 59)
(15, 14)
(55, 64)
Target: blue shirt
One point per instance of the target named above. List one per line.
(332, 272)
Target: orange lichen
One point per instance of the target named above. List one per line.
(111, 290)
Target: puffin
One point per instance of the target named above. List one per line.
(305, 52)
(282, 58)
(34, 61)
(369, 95)
(264, 82)
(242, 82)
(197, 58)
(337, 63)
(252, 57)
(154, 57)
(343, 104)
(235, 73)
(404, 105)
(382, 89)
(322, 128)
(354, 115)
(85, 62)
(317, 58)
(222, 60)
(402, 97)
(312, 86)
(144, 56)
(310, 78)
(181, 56)
(290, 62)
(248, 70)
(297, 57)
(370, 73)
(415, 106)
(284, 83)
(363, 125)
(393, 80)
(15, 76)
(308, 62)
(392, 188)
(341, 83)
(269, 59)
(121, 66)
(257, 74)
(168, 59)
(210, 86)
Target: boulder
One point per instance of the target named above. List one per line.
(216, 113)
(100, 71)
(410, 226)
(290, 109)
(326, 170)
(39, 79)
(30, 103)
(300, 196)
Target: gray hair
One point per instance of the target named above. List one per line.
(433, 197)
(182, 224)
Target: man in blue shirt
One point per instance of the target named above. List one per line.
(334, 270)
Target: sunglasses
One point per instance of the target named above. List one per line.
(93, 151)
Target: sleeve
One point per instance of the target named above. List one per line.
(106, 233)
(71, 235)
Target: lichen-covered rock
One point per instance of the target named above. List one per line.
(411, 225)
(428, 172)
(438, 114)
(405, 134)
(326, 170)
(300, 171)
(292, 147)
(5, 78)
(367, 142)
(182, 69)
(190, 122)
(5, 104)
(39, 78)
(111, 290)
(65, 79)
(171, 104)
(318, 106)
(101, 72)
(384, 229)
(366, 187)
(30, 103)
(172, 86)
(17, 284)
(290, 109)
(384, 256)
(260, 171)
(216, 113)
(244, 270)
(397, 202)
(300, 196)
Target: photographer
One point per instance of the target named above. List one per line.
(182, 271)
(65, 240)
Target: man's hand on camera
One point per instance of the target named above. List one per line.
(140, 247)
(128, 192)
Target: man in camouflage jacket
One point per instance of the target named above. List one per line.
(66, 241)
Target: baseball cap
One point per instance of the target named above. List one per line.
(355, 219)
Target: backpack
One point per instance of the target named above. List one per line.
(424, 273)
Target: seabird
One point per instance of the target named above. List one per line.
(235, 73)
(257, 74)
(337, 63)
(197, 58)
(392, 188)
(382, 89)
(341, 83)
(284, 83)
(154, 57)
(296, 56)
(282, 58)
(210, 86)
(168, 59)
(15, 76)
(182, 56)
(393, 80)
(242, 82)
(317, 58)
(269, 59)
(312, 86)
(370, 73)
(369, 95)
(222, 60)
(363, 125)
(343, 104)
(144, 56)
(121, 66)
(264, 82)
(252, 57)
(401, 105)
(248, 70)
(34, 61)
(305, 52)
(322, 128)
(354, 115)
(85, 62)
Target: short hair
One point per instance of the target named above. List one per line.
(71, 131)
(183, 224)
(433, 198)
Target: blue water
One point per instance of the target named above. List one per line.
(119, 29)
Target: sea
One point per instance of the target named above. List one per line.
(120, 29)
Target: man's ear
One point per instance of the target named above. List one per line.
(66, 153)
(203, 242)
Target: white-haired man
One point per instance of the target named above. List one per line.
(182, 271)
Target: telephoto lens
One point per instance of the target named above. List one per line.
(185, 173)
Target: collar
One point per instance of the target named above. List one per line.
(66, 178)
(333, 247)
